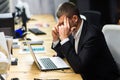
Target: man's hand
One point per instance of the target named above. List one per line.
(55, 33)
(64, 30)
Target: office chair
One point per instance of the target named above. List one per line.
(112, 36)
(93, 17)
(7, 24)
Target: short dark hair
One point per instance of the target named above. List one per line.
(68, 8)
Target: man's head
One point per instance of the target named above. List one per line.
(69, 10)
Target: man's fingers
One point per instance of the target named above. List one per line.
(67, 23)
(54, 31)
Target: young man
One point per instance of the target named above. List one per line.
(83, 45)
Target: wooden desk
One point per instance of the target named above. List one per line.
(27, 69)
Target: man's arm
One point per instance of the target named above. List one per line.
(57, 49)
(85, 57)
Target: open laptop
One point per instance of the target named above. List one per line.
(48, 63)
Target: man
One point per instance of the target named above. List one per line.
(83, 45)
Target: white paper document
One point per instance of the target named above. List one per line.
(36, 49)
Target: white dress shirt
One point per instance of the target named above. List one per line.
(77, 36)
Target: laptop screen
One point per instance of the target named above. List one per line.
(33, 55)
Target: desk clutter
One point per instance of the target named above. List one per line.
(14, 61)
(15, 43)
(36, 28)
(37, 47)
(36, 31)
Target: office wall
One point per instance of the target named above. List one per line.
(40, 6)
(109, 9)
(103, 7)
(113, 11)
(83, 5)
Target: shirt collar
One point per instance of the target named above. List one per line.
(78, 33)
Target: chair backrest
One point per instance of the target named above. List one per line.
(7, 24)
(93, 17)
(112, 36)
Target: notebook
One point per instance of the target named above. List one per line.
(48, 63)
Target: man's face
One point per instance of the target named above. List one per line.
(61, 21)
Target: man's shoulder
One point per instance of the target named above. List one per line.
(91, 26)
(92, 32)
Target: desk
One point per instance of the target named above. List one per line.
(27, 69)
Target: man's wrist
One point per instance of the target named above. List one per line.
(54, 40)
(64, 41)
(63, 37)
(55, 43)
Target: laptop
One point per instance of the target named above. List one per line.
(48, 63)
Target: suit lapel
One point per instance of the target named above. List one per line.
(82, 37)
(71, 39)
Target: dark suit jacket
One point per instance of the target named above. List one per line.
(94, 60)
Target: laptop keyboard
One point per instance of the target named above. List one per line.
(48, 64)
(36, 31)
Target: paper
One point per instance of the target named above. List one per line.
(36, 49)
(16, 43)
